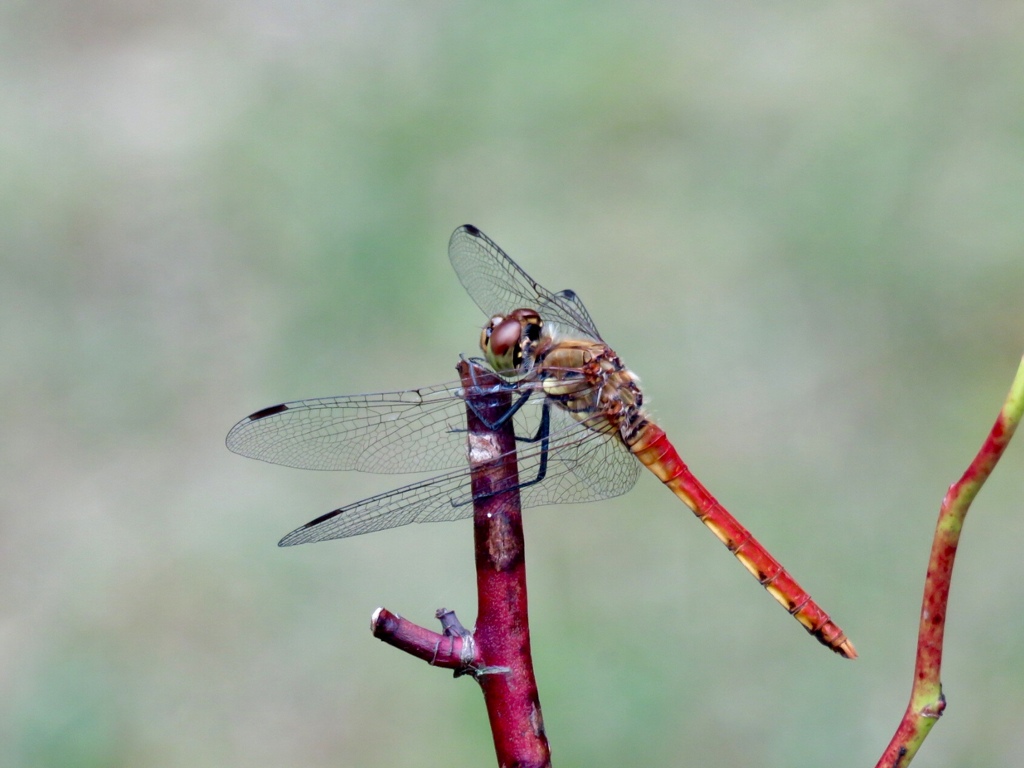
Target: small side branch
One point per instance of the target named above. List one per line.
(926, 699)
(453, 649)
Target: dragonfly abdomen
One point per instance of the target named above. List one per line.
(654, 450)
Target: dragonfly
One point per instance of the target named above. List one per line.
(582, 430)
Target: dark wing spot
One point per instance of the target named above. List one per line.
(268, 412)
(471, 229)
(317, 521)
(289, 540)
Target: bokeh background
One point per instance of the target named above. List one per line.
(801, 224)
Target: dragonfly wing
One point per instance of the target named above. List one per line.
(443, 498)
(411, 431)
(416, 430)
(581, 465)
(498, 285)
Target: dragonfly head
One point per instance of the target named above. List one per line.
(506, 339)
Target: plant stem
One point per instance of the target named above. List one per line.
(497, 652)
(926, 699)
(502, 632)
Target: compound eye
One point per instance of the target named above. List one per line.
(504, 339)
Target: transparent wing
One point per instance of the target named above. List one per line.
(579, 464)
(442, 498)
(387, 432)
(498, 285)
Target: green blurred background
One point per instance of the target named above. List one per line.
(802, 225)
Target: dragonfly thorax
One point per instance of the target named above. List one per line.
(588, 380)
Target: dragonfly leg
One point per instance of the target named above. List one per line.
(543, 435)
(519, 403)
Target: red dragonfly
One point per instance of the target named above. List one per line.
(577, 410)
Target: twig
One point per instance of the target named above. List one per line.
(502, 623)
(926, 699)
(451, 650)
(497, 652)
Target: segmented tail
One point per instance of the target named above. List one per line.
(653, 448)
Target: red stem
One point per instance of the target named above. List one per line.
(502, 629)
(926, 699)
(497, 652)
